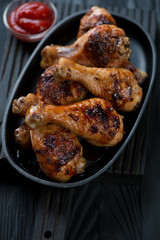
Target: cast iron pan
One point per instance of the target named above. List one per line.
(99, 159)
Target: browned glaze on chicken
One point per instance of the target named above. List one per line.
(94, 17)
(95, 48)
(51, 92)
(139, 75)
(116, 85)
(48, 91)
(98, 16)
(22, 136)
(58, 152)
(57, 149)
(93, 119)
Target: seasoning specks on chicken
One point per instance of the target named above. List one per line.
(51, 92)
(116, 85)
(93, 119)
(95, 48)
(58, 152)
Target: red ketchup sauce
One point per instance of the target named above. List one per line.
(31, 18)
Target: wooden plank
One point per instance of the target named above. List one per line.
(98, 211)
(105, 211)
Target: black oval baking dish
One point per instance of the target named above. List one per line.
(99, 159)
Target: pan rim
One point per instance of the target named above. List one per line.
(103, 169)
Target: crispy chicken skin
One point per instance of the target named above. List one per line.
(139, 75)
(97, 53)
(95, 48)
(51, 92)
(98, 16)
(94, 17)
(57, 149)
(116, 85)
(93, 119)
(58, 152)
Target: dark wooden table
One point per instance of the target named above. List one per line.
(123, 204)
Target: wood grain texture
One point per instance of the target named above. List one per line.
(106, 211)
(98, 210)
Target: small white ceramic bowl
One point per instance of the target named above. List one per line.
(28, 37)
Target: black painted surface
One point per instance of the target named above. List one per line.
(108, 208)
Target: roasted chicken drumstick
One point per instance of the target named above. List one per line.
(58, 152)
(97, 16)
(97, 47)
(93, 119)
(94, 17)
(51, 92)
(116, 85)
